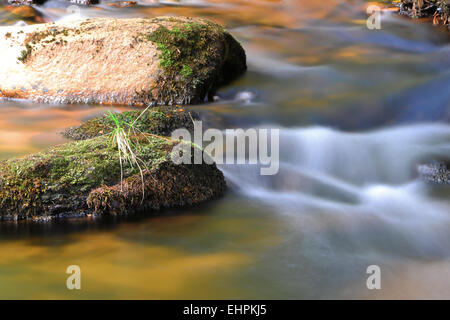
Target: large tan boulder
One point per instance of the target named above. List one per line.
(161, 61)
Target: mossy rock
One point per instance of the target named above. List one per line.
(138, 62)
(158, 120)
(84, 177)
(190, 51)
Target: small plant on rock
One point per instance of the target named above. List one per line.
(121, 136)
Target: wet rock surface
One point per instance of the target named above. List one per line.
(23, 2)
(438, 173)
(159, 61)
(27, 14)
(122, 4)
(439, 10)
(30, 2)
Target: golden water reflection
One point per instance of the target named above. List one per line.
(113, 268)
(182, 256)
(27, 128)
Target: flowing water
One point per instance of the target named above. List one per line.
(358, 110)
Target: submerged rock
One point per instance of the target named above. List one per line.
(84, 177)
(25, 13)
(160, 61)
(438, 173)
(122, 4)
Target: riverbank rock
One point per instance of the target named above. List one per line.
(437, 173)
(159, 61)
(439, 10)
(84, 177)
(21, 2)
(30, 2)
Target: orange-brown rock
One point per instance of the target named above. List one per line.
(122, 4)
(23, 12)
(118, 61)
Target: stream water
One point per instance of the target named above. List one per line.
(358, 109)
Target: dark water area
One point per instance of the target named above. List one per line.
(358, 110)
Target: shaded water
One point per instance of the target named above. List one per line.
(359, 110)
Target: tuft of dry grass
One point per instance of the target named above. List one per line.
(121, 137)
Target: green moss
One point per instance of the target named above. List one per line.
(25, 53)
(186, 71)
(41, 37)
(165, 56)
(196, 57)
(182, 46)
